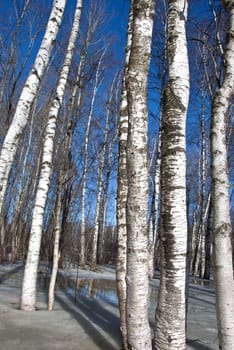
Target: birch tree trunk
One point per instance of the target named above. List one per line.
(208, 239)
(199, 229)
(76, 96)
(57, 231)
(110, 157)
(98, 205)
(138, 330)
(28, 297)
(21, 192)
(203, 225)
(155, 207)
(153, 224)
(171, 307)
(122, 190)
(224, 284)
(27, 97)
(85, 169)
(194, 241)
(100, 185)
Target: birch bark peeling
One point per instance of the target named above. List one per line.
(28, 297)
(222, 247)
(171, 307)
(138, 330)
(28, 95)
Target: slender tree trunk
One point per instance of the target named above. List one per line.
(138, 330)
(194, 242)
(171, 306)
(22, 188)
(222, 247)
(203, 225)
(105, 194)
(76, 92)
(122, 190)
(57, 231)
(153, 225)
(74, 108)
(97, 214)
(154, 217)
(196, 232)
(28, 207)
(27, 97)
(28, 297)
(2, 235)
(100, 183)
(208, 240)
(82, 259)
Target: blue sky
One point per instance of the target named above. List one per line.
(114, 30)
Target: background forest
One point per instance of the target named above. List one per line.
(22, 27)
(80, 206)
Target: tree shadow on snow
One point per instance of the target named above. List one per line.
(8, 274)
(197, 345)
(93, 318)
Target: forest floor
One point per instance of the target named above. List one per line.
(91, 322)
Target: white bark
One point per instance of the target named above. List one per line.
(199, 253)
(28, 298)
(27, 97)
(203, 226)
(208, 239)
(138, 330)
(222, 248)
(56, 253)
(122, 190)
(171, 307)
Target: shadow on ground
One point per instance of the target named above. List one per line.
(7, 274)
(197, 345)
(99, 323)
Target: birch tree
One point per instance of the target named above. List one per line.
(153, 223)
(56, 252)
(111, 158)
(138, 330)
(97, 84)
(100, 182)
(170, 313)
(28, 297)
(222, 247)
(95, 18)
(158, 83)
(27, 97)
(203, 224)
(122, 190)
(203, 202)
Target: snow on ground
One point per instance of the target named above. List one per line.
(92, 322)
